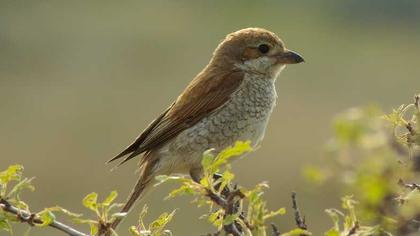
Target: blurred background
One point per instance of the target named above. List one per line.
(79, 80)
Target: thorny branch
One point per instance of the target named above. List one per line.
(229, 202)
(275, 229)
(300, 221)
(32, 219)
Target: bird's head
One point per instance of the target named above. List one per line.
(254, 50)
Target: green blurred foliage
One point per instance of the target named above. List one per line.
(350, 224)
(373, 156)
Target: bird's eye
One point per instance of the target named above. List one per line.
(264, 48)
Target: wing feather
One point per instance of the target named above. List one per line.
(201, 97)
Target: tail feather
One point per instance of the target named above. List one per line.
(129, 157)
(146, 175)
(130, 149)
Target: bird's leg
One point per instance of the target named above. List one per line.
(196, 174)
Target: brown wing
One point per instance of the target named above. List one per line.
(202, 96)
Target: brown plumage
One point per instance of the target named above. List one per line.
(204, 94)
(213, 109)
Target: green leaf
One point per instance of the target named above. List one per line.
(238, 149)
(297, 232)
(348, 202)
(396, 116)
(5, 225)
(227, 178)
(93, 228)
(23, 184)
(111, 197)
(159, 224)
(232, 151)
(280, 211)
(63, 210)
(333, 213)
(142, 214)
(93, 225)
(47, 217)
(332, 232)
(348, 223)
(184, 189)
(21, 205)
(90, 201)
(207, 159)
(230, 219)
(133, 231)
(216, 218)
(205, 182)
(13, 172)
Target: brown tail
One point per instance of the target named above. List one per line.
(146, 175)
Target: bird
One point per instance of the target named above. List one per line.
(231, 99)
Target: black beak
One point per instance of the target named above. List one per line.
(289, 57)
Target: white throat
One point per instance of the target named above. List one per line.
(263, 65)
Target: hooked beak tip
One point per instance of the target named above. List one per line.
(290, 57)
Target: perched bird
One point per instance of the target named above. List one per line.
(230, 99)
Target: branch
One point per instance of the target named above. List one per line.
(354, 229)
(411, 186)
(300, 221)
(228, 202)
(276, 231)
(31, 218)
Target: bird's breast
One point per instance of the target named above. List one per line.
(247, 113)
(243, 117)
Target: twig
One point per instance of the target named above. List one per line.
(411, 186)
(300, 221)
(354, 229)
(410, 128)
(228, 201)
(31, 218)
(276, 231)
(230, 205)
(233, 208)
